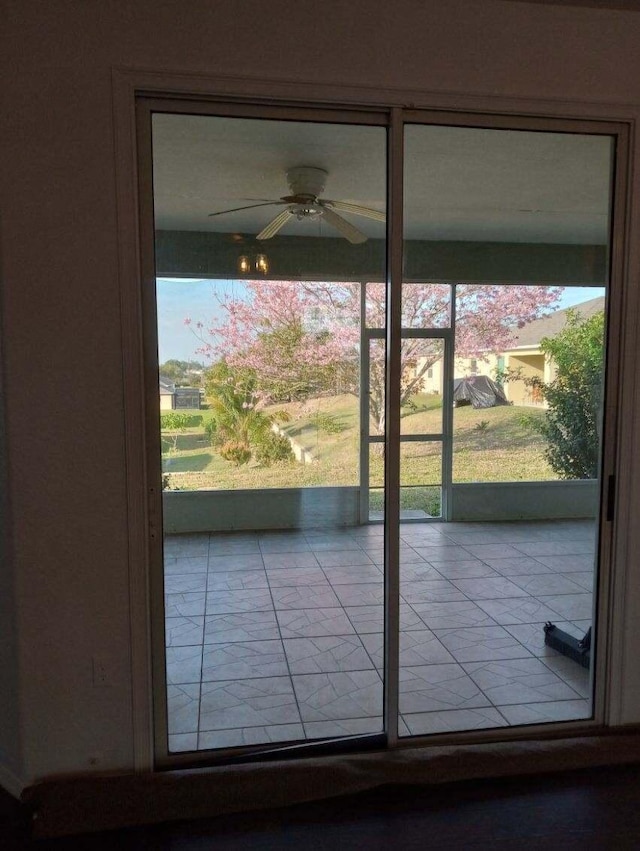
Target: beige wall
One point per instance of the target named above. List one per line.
(68, 516)
(462, 367)
(166, 401)
(531, 365)
(432, 383)
(486, 365)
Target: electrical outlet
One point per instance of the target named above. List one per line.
(102, 673)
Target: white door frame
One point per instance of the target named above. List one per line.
(144, 501)
(444, 437)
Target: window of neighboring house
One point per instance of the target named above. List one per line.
(430, 373)
(474, 365)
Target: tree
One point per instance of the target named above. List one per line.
(303, 338)
(279, 331)
(173, 424)
(574, 396)
(237, 427)
(182, 372)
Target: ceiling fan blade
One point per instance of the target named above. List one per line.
(249, 207)
(274, 225)
(356, 209)
(344, 227)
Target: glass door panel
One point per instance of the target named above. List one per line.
(268, 574)
(518, 225)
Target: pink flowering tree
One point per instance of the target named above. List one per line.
(296, 339)
(303, 338)
(487, 318)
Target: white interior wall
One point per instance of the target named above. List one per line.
(63, 365)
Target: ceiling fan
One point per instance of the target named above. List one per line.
(307, 184)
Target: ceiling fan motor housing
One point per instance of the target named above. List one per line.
(306, 180)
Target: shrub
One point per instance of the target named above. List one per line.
(236, 453)
(273, 448)
(234, 406)
(211, 431)
(529, 421)
(175, 421)
(574, 397)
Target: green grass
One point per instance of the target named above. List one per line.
(413, 498)
(495, 444)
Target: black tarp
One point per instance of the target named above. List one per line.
(479, 391)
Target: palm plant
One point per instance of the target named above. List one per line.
(237, 424)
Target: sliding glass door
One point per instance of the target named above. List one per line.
(368, 523)
(506, 250)
(266, 232)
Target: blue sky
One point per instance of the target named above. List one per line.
(576, 295)
(179, 298)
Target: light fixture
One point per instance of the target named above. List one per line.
(262, 264)
(247, 264)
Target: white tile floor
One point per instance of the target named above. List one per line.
(275, 637)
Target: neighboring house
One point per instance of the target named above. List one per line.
(433, 379)
(167, 391)
(524, 354)
(172, 397)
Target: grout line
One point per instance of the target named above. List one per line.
(204, 623)
(286, 658)
(502, 715)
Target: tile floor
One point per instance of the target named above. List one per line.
(277, 636)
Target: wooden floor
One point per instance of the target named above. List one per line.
(597, 809)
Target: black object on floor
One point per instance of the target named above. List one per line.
(578, 649)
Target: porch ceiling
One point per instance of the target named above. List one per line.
(470, 184)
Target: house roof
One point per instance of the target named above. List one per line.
(531, 334)
(166, 386)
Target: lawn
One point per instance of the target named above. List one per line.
(494, 444)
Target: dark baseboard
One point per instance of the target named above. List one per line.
(69, 805)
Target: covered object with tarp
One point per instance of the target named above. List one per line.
(479, 391)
